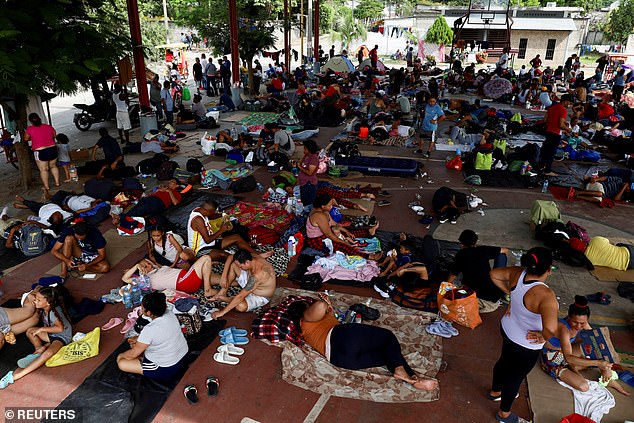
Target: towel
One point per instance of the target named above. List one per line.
(594, 403)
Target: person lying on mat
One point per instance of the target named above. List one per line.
(600, 187)
(81, 247)
(601, 252)
(253, 274)
(207, 233)
(163, 198)
(474, 264)
(159, 351)
(562, 357)
(353, 346)
(55, 332)
(320, 227)
(166, 277)
(14, 321)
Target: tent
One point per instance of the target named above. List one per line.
(339, 64)
(380, 66)
(366, 52)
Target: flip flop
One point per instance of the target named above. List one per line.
(24, 362)
(224, 358)
(599, 298)
(233, 331)
(234, 339)
(426, 219)
(512, 418)
(6, 380)
(436, 329)
(231, 349)
(191, 393)
(212, 385)
(447, 325)
(129, 324)
(115, 321)
(499, 397)
(385, 194)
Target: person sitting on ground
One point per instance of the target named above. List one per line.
(562, 356)
(154, 204)
(282, 141)
(353, 346)
(198, 109)
(83, 248)
(474, 265)
(266, 135)
(16, 321)
(226, 101)
(253, 274)
(49, 214)
(396, 261)
(55, 332)
(160, 351)
(166, 277)
(376, 104)
(320, 227)
(153, 144)
(207, 233)
(601, 252)
(546, 97)
(168, 249)
(276, 85)
(448, 203)
(110, 147)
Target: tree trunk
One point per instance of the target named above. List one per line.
(250, 76)
(22, 148)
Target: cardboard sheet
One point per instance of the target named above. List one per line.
(607, 274)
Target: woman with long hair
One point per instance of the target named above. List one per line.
(42, 137)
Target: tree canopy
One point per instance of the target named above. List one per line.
(439, 32)
(347, 29)
(369, 9)
(620, 22)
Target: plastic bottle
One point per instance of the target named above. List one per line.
(292, 243)
(299, 207)
(72, 170)
(528, 105)
(127, 298)
(296, 192)
(545, 186)
(524, 168)
(144, 284)
(259, 186)
(234, 133)
(136, 294)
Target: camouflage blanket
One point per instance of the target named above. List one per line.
(306, 368)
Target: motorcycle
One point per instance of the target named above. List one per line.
(101, 112)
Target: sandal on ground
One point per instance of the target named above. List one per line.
(426, 219)
(512, 418)
(234, 339)
(599, 298)
(24, 362)
(225, 358)
(212, 385)
(129, 324)
(385, 194)
(115, 321)
(230, 349)
(6, 380)
(191, 393)
(233, 331)
(438, 330)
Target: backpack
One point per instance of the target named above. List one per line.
(194, 166)
(147, 167)
(32, 241)
(424, 299)
(280, 159)
(246, 184)
(261, 156)
(577, 231)
(166, 170)
(344, 149)
(99, 188)
(207, 123)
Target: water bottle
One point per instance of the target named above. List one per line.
(144, 284)
(136, 294)
(545, 186)
(296, 192)
(259, 186)
(127, 298)
(291, 246)
(528, 105)
(299, 207)
(72, 170)
(234, 133)
(524, 168)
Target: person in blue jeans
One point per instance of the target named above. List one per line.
(433, 115)
(473, 262)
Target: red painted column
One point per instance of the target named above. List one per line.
(287, 38)
(137, 52)
(233, 41)
(316, 26)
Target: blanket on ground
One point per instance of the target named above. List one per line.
(306, 368)
(252, 215)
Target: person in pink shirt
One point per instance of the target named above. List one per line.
(42, 137)
(308, 172)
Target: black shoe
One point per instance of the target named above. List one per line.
(367, 313)
(419, 151)
(454, 220)
(212, 386)
(385, 194)
(383, 203)
(443, 218)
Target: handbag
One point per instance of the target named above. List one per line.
(311, 282)
(459, 305)
(191, 324)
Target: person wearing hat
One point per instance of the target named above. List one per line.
(555, 124)
(473, 262)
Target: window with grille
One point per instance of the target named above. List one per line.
(550, 50)
(522, 50)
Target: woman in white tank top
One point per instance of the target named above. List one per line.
(530, 319)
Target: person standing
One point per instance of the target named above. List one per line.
(197, 70)
(619, 86)
(409, 57)
(155, 97)
(536, 62)
(168, 103)
(225, 74)
(433, 115)
(332, 51)
(120, 99)
(503, 62)
(211, 71)
(555, 124)
(42, 137)
(307, 177)
(374, 57)
(531, 318)
(360, 55)
(203, 64)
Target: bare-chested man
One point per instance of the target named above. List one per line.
(254, 274)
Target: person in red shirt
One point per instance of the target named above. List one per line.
(555, 123)
(605, 110)
(156, 203)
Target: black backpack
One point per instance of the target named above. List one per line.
(99, 188)
(344, 149)
(32, 241)
(246, 184)
(194, 166)
(147, 167)
(166, 170)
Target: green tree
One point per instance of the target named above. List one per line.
(58, 46)
(439, 32)
(620, 23)
(369, 9)
(326, 17)
(347, 28)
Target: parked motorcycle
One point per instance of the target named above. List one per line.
(101, 112)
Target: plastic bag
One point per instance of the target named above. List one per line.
(208, 145)
(463, 311)
(186, 94)
(77, 351)
(454, 164)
